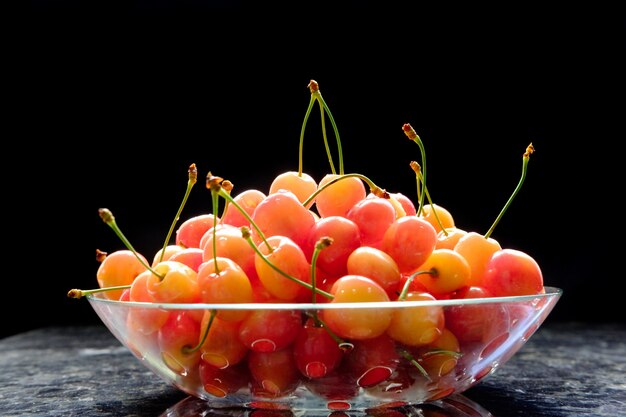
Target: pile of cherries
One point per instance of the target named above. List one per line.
(340, 240)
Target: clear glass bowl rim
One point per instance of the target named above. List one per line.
(550, 292)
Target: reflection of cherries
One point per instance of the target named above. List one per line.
(338, 385)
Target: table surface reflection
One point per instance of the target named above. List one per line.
(566, 369)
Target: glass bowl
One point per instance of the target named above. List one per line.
(277, 358)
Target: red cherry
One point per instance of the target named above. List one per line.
(190, 232)
(345, 239)
(409, 241)
(513, 272)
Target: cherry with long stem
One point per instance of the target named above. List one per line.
(78, 293)
(412, 135)
(525, 158)
(109, 219)
(321, 244)
(192, 178)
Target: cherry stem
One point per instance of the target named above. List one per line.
(304, 122)
(405, 287)
(415, 166)
(315, 92)
(109, 219)
(415, 363)
(100, 255)
(187, 349)
(214, 183)
(376, 190)
(228, 187)
(245, 233)
(434, 352)
(525, 158)
(76, 293)
(321, 244)
(215, 207)
(418, 174)
(325, 136)
(193, 177)
(411, 134)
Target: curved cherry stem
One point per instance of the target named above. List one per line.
(415, 363)
(193, 177)
(109, 219)
(343, 345)
(227, 186)
(376, 190)
(418, 174)
(325, 136)
(332, 122)
(215, 208)
(407, 284)
(320, 245)
(245, 233)
(433, 352)
(525, 158)
(187, 350)
(301, 149)
(315, 92)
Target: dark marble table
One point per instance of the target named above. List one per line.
(570, 369)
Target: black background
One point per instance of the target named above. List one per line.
(117, 102)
